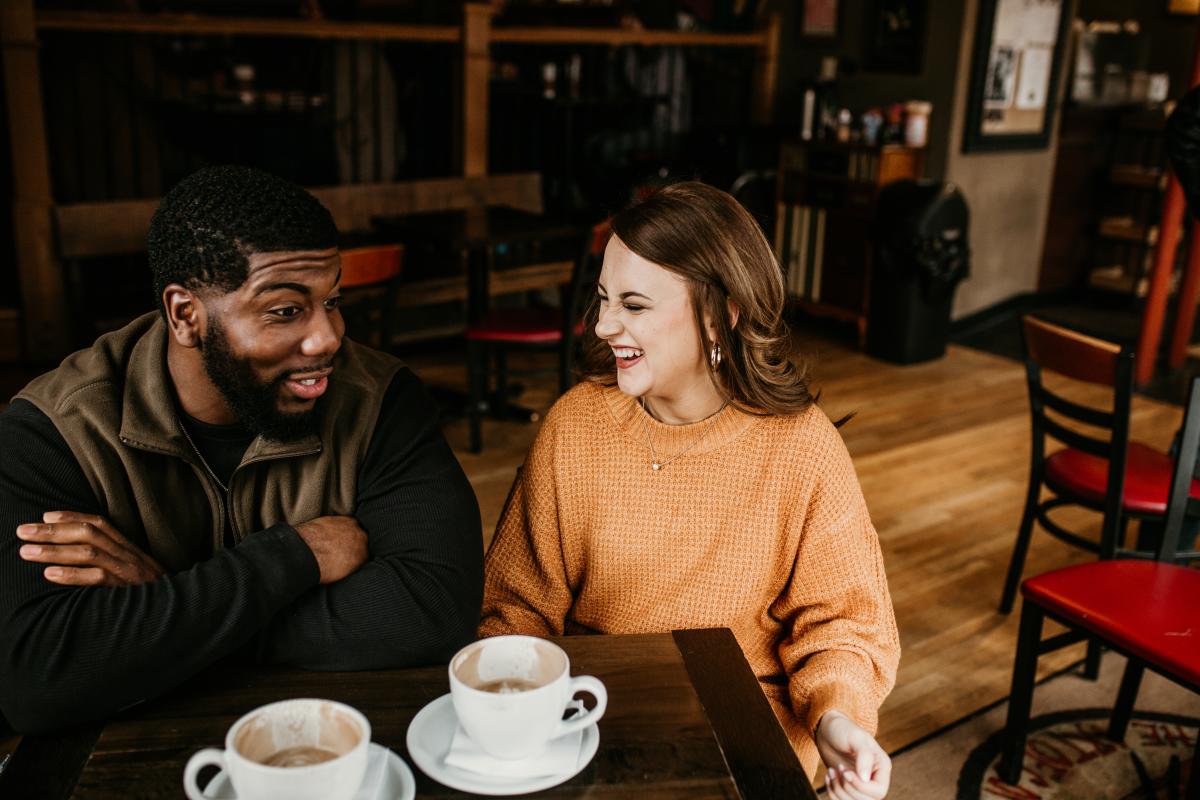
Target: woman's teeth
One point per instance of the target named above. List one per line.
(626, 352)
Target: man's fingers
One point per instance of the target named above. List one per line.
(78, 576)
(99, 523)
(71, 554)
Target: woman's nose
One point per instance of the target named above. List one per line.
(607, 324)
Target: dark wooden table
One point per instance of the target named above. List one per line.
(685, 718)
(474, 233)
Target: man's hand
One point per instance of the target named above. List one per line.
(85, 550)
(339, 544)
(856, 768)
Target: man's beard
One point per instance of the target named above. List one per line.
(256, 404)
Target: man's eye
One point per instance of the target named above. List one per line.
(333, 302)
(287, 312)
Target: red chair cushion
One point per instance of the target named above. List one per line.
(518, 325)
(1147, 608)
(1147, 477)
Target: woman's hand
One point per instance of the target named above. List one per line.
(856, 766)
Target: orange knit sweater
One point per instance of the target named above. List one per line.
(760, 527)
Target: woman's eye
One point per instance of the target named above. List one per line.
(633, 307)
(603, 299)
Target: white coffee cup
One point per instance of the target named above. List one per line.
(289, 732)
(510, 692)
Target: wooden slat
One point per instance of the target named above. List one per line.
(47, 331)
(766, 71)
(87, 230)
(1071, 353)
(507, 281)
(477, 66)
(117, 22)
(615, 37)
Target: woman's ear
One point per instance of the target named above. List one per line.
(733, 313)
(185, 315)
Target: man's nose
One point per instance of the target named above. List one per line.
(324, 335)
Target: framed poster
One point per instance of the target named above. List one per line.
(1015, 73)
(894, 39)
(819, 18)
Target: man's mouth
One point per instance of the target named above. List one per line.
(627, 356)
(308, 385)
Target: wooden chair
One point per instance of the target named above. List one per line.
(1145, 609)
(1121, 479)
(369, 284)
(501, 331)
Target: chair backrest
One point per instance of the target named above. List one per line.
(365, 266)
(583, 288)
(1180, 503)
(369, 289)
(1082, 358)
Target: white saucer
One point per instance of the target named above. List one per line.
(429, 737)
(394, 781)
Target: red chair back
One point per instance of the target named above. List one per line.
(364, 266)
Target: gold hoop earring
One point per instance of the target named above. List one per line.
(714, 357)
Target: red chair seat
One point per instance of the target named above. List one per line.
(1147, 608)
(522, 325)
(1147, 477)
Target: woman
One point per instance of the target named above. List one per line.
(690, 481)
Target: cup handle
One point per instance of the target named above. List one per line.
(593, 686)
(209, 756)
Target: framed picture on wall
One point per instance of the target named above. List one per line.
(1014, 74)
(1183, 7)
(894, 39)
(819, 18)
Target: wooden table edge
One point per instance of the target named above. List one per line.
(756, 750)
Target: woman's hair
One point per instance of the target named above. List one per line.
(703, 235)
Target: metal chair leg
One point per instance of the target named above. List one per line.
(1020, 699)
(1091, 662)
(1126, 697)
(1017, 563)
(477, 385)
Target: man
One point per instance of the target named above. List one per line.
(226, 477)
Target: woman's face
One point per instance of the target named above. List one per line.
(646, 318)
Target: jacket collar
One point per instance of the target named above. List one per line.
(150, 418)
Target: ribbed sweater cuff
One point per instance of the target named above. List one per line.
(837, 696)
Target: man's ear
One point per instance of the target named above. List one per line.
(185, 315)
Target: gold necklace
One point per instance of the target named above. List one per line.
(655, 464)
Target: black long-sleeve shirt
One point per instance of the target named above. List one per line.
(69, 654)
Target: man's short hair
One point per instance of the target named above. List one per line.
(1183, 146)
(207, 226)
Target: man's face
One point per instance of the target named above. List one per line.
(269, 344)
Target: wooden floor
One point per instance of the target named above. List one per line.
(942, 453)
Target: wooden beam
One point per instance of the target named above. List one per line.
(615, 37)
(242, 26)
(477, 65)
(88, 230)
(766, 71)
(46, 329)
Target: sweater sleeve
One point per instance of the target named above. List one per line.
(416, 599)
(525, 588)
(842, 648)
(72, 654)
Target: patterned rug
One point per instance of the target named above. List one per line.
(1067, 754)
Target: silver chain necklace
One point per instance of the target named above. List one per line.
(655, 464)
(200, 456)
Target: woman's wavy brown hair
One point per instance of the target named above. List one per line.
(703, 235)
